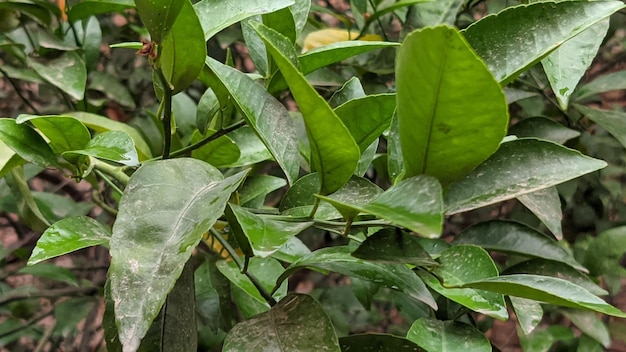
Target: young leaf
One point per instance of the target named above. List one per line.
(513, 237)
(114, 146)
(447, 336)
(507, 45)
(270, 120)
(69, 235)
(183, 49)
(27, 143)
(612, 121)
(461, 114)
(66, 72)
(159, 15)
(546, 289)
(334, 154)
(566, 65)
(339, 259)
(518, 167)
(297, 323)
(164, 211)
(376, 343)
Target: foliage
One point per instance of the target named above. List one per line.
(407, 129)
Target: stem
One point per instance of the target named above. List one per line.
(167, 114)
(315, 206)
(233, 254)
(113, 171)
(106, 180)
(97, 198)
(18, 90)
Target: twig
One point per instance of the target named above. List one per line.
(167, 114)
(18, 90)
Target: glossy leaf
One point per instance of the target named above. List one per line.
(334, 154)
(183, 50)
(164, 211)
(377, 343)
(590, 324)
(546, 205)
(556, 269)
(460, 264)
(266, 235)
(69, 235)
(270, 120)
(339, 259)
(447, 336)
(297, 323)
(159, 16)
(88, 8)
(436, 135)
(515, 238)
(27, 143)
(543, 128)
(528, 313)
(414, 203)
(64, 132)
(300, 11)
(352, 89)
(366, 128)
(566, 65)
(259, 186)
(55, 207)
(433, 13)
(220, 14)
(612, 121)
(291, 251)
(220, 152)
(518, 167)
(507, 45)
(101, 124)
(605, 83)
(396, 247)
(114, 146)
(208, 107)
(66, 72)
(546, 289)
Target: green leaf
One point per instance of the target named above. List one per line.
(101, 124)
(208, 107)
(605, 83)
(183, 50)
(114, 146)
(590, 324)
(64, 132)
(269, 119)
(366, 129)
(543, 128)
(612, 121)
(528, 313)
(339, 259)
(52, 272)
(515, 238)
(220, 152)
(28, 210)
(282, 22)
(519, 167)
(612, 244)
(556, 269)
(55, 207)
(507, 45)
(436, 136)
(446, 336)
(395, 247)
(66, 72)
(165, 209)
(69, 313)
(159, 15)
(546, 289)
(265, 234)
(334, 154)
(414, 203)
(219, 14)
(112, 88)
(566, 65)
(8, 158)
(352, 89)
(69, 235)
(300, 11)
(297, 323)
(39, 12)
(460, 264)
(27, 143)
(377, 343)
(393, 7)
(88, 8)
(257, 186)
(546, 205)
(436, 12)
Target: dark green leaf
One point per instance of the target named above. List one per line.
(377, 343)
(114, 146)
(546, 205)
(297, 323)
(528, 313)
(515, 238)
(367, 127)
(51, 272)
(159, 15)
(269, 119)
(165, 209)
(397, 247)
(66, 72)
(219, 153)
(111, 88)
(257, 186)
(64, 132)
(68, 235)
(605, 83)
(69, 313)
(208, 107)
(447, 336)
(612, 121)
(27, 143)
(28, 209)
(334, 154)
(436, 136)
(590, 324)
(518, 167)
(507, 45)
(87, 8)
(547, 289)
(436, 12)
(339, 259)
(543, 128)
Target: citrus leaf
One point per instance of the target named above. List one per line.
(377, 343)
(64, 132)
(159, 15)
(114, 146)
(27, 143)
(66, 72)
(612, 121)
(447, 336)
(396, 247)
